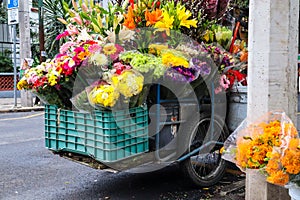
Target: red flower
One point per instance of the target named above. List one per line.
(131, 3)
(235, 75)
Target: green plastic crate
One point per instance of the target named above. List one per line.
(60, 131)
(107, 136)
(111, 136)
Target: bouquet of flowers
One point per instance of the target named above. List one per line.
(56, 77)
(270, 145)
(113, 56)
(103, 95)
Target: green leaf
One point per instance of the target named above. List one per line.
(84, 16)
(65, 6)
(118, 29)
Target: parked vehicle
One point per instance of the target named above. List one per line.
(168, 131)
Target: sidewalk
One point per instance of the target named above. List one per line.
(7, 104)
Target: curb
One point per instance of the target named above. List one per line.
(22, 109)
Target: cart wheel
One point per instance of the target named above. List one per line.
(207, 167)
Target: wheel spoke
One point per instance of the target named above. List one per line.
(204, 165)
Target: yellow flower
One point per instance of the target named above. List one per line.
(156, 49)
(22, 84)
(166, 23)
(52, 79)
(104, 95)
(183, 16)
(171, 60)
(129, 83)
(109, 49)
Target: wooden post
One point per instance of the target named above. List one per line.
(25, 50)
(272, 73)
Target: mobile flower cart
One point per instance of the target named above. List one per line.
(127, 98)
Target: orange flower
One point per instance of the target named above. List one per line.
(129, 21)
(279, 178)
(153, 17)
(273, 164)
(83, 55)
(273, 147)
(255, 151)
(291, 157)
(290, 130)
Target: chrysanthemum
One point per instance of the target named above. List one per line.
(109, 49)
(98, 59)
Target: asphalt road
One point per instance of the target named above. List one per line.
(28, 171)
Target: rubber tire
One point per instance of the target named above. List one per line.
(186, 166)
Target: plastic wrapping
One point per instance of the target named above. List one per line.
(102, 96)
(81, 102)
(270, 144)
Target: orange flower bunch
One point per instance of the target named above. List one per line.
(284, 163)
(271, 145)
(142, 14)
(252, 151)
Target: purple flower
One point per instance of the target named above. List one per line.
(181, 74)
(205, 69)
(200, 67)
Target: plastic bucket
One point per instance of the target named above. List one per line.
(294, 193)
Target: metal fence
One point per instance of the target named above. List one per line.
(6, 43)
(6, 57)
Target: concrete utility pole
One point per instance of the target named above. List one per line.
(41, 32)
(272, 73)
(25, 50)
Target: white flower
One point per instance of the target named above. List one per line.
(104, 95)
(98, 59)
(124, 35)
(186, 49)
(84, 36)
(106, 76)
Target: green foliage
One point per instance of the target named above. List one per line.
(207, 14)
(241, 3)
(35, 3)
(3, 14)
(54, 9)
(35, 46)
(6, 64)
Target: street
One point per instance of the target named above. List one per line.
(29, 171)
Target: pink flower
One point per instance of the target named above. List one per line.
(119, 49)
(224, 82)
(65, 47)
(32, 79)
(77, 19)
(72, 30)
(84, 8)
(78, 50)
(94, 48)
(60, 56)
(48, 66)
(120, 67)
(218, 90)
(62, 35)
